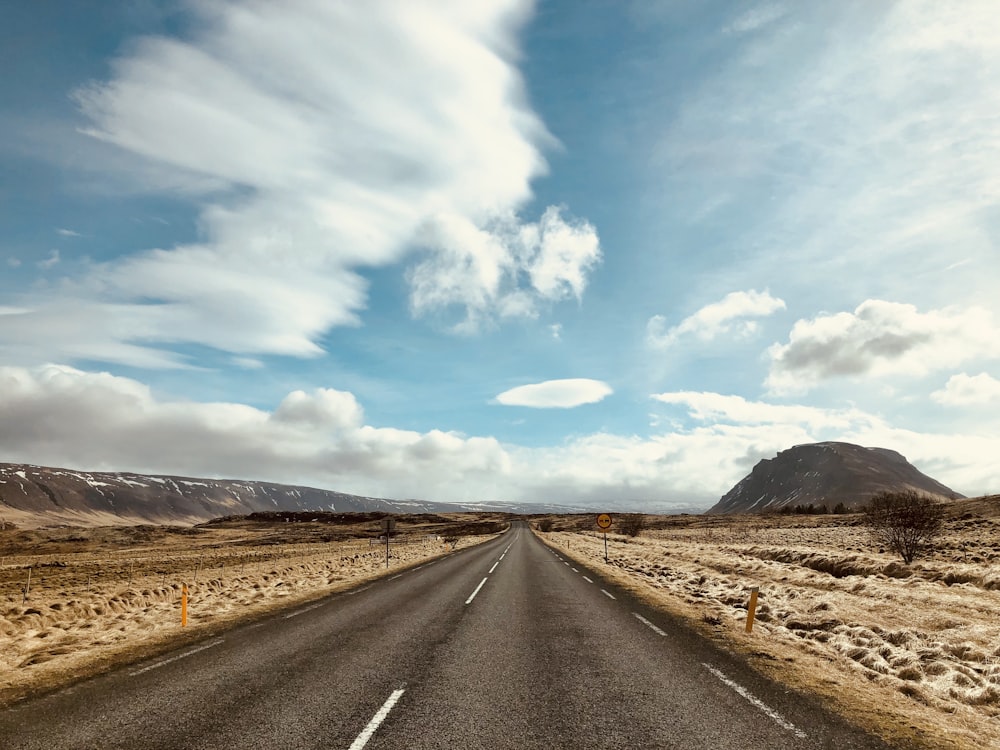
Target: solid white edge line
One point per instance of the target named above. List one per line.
(756, 702)
(587, 579)
(608, 594)
(187, 653)
(395, 577)
(648, 624)
(377, 719)
(469, 600)
(494, 566)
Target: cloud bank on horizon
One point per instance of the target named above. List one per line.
(433, 249)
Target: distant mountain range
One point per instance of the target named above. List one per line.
(826, 474)
(42, 496)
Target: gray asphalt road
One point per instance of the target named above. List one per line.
(504, 645)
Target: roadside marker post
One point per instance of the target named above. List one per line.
(388, 524)
(604, 523)
(752, 608)
(184, 605)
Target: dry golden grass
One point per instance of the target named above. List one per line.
(105, 597)
(911, 652)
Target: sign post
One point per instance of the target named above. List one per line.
(604, 523)
(388, 524)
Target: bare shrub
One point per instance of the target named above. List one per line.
(545, 524)
(631, 524)
(905, 522)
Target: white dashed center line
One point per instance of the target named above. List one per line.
(469, 600)
(587, 579)
(608, 594)
(377, 719)
(494, 566)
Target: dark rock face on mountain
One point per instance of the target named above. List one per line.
(38, 495)
(826, 474)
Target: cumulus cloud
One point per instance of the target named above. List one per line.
(479, 269)
(556, 394)
(967, 390)
(730, 316)
(56, 415)
(319, 139)
(880, 338)
(61, 416)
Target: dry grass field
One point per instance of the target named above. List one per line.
(912, 652)
(100, 597)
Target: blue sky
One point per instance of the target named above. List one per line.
(584, 252)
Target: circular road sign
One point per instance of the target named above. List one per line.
(604, 521)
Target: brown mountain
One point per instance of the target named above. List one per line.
(43, 496)
(826, 474)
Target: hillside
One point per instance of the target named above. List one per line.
(33, 496)
(826, 474)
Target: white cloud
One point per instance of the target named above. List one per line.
(13, 262)
(387, 127)
(880, 338)
(967, 390)
(730, 316)
(67, 233)
(51, 262)
(862, 137)
(716, 407)
(755, 18)
(480, 268)
(60, 416)
(556, 394)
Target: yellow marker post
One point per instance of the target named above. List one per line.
(752, 608)
(184, 605)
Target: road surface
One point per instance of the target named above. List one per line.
(504, 645)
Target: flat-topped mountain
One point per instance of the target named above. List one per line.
(826, 474)
(41, 496)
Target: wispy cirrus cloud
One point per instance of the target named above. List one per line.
(733, 315)
(387, 128)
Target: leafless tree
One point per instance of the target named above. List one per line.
(904, 521)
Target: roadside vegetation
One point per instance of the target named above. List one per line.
(77, 601)
(910, 650)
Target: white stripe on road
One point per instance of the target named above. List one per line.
(574, 569)
(358, 591)
(494, 566)
(648, 624)
(377, 719)
(469, 600)
(395, 577)
(756, 702)
(304, 610)
(175, 658)
(587, 579)
(608, 594)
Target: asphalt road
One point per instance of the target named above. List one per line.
(504, 645)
